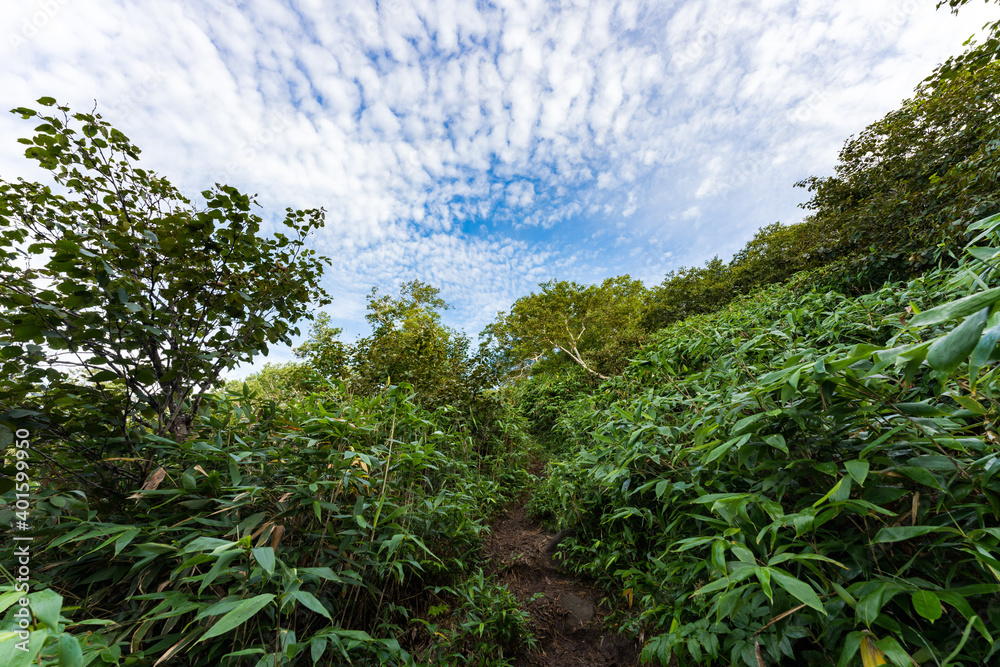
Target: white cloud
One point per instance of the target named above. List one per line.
(470, 142)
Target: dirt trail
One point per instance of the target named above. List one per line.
(568, 619)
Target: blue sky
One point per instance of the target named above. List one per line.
(485, 147)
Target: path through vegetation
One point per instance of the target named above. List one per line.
(568, 617)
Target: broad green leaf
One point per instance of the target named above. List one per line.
(764, 576)
(870, 605)
(927, 604)
(310, 601)
(239, 615)
(265, 558)
(777, 441)
(719, 556)
(70, 653)
(125, 539)
(949, 351)
(921, 475)
(892, 650)
(984, 348)
(8, 599)
(857, 469)
(317, 647)
(220, 566)
(850, 647)
(12, 656)
(900, 533)
(798, 589)
(744, 424)
(835, 492)
(45, 605)
(956, 309)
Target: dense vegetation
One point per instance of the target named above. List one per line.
(787, 458)
(292, 519)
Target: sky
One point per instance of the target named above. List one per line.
(482, 146)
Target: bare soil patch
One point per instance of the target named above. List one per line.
(568, 620)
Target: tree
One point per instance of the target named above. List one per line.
(689, 291)
(913, 180)
(409, 343)
(323, 351)
(578, 321)
(121, 303)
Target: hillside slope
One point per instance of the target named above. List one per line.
(801, 476)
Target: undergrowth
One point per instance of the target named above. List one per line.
(318, 532)
(801, 477)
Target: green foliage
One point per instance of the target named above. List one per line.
(690, 291)
(545, 401)
(486, 624)
(910, 183)
(322, 351)
(409, 344)
(121, 303)
(799, 469)
(283, 383)
(594, 327)
(294, 535)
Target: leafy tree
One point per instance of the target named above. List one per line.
(689, 291)
(575, 320)
(409, 344)
(121, 303)
(323, 351)
(774, 254)
(283, 383)
(912, 180)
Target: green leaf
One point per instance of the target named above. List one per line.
(104, 376)
(949, 351)
(45, 605)
(857, 469)
(265, 558)
(894, 651)
(850, 648)
(927, 604)
(234, 473)
(870, 605)
(921, 475)
(764, 576)
(984, 349)
(777, 441)
(310, 601)
(241, 614)
(317, 647)
(798, 589)
(46, 101)
(70, 653)
(836, 492)
(744, 424)
(125, 539)
(955, 309)
(8, 599)
(900, 533)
